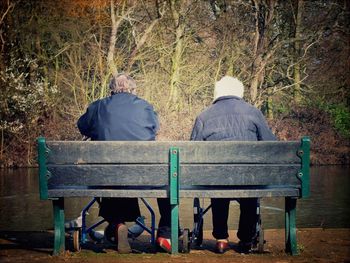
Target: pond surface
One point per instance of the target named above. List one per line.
(328, 206)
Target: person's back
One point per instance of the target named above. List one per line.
(230, 118)
(120, 117)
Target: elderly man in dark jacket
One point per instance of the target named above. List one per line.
(120, 117)
(230, 118)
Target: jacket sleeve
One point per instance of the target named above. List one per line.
(197, 131)
(153, 118)
(156, 120)
(85, 121)
(263, 131)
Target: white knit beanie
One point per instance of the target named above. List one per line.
(228, 86)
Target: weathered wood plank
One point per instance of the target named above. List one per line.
(240, 193)
(144, 175)
(155, 152)
(107, 193)
(234, 193)
(239, 174)
(92, 175)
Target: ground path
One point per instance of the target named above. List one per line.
(315, 244)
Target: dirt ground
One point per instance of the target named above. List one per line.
(315, 245)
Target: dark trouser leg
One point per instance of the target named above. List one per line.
(119, 210)
(291, 235)
(248, 219)
(164, 226)
(220, 208)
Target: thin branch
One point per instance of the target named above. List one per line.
(113, 38)
(9, 6)
(145, 35)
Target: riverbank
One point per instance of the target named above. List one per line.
(315, 245)
(328, 146)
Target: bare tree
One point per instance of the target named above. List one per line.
(178, 14)
(297, 50)
(4, 12)
(264, 12)
(141, 40)
(116, 22)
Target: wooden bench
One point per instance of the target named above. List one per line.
(174, 170)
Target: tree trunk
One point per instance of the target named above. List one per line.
(297, 77)
(257, 73)
(263, 17)
(115, 24)
(269, 105)
(173, 101)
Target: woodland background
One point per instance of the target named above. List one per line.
(58, 56)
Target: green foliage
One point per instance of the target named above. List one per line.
(340, 114)
(300, 248)
(281, 108)
(24, 97)
(341, 118)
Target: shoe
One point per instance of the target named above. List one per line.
(244, 247)
(97, 235)
(122, 241)
(110, 233)
(164, 243)
(222, 246)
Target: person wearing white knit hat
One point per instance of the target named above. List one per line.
(230, 118)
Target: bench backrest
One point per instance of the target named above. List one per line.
(93, 168)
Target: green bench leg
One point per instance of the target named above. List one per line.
(174, 175)
(174, 229)
(58, 212)
(290, 225)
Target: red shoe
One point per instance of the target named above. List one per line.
(164, 243)
(222, 246)
(122, 241)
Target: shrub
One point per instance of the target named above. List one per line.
(340, 115)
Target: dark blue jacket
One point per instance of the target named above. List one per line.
(120, 117)
(230, 118)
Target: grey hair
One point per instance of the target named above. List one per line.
(122, 83)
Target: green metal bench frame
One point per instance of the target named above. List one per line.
(175, 191)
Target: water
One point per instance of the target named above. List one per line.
(328, 206)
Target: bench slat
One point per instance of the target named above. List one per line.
(143, 175)
(250, 174)
(240, 193)
(95, 152)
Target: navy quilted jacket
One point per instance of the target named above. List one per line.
(120, 117)
(230, 118)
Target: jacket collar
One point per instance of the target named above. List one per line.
(226, 98)
(119, 93)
